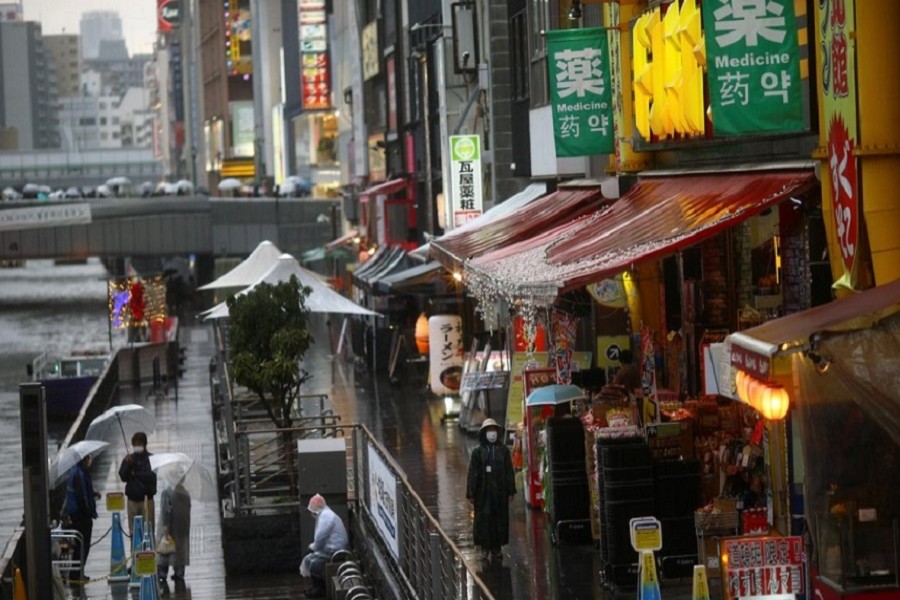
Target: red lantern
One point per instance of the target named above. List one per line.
(136, 302)
(772, 402)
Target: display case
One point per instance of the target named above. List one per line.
(858, 551)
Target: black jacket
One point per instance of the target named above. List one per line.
(139, 478)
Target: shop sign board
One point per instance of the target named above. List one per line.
(168, 15)
(763, 567)
(753, 60)
(466, 192)
(383, 501)
(445, 353)
(754, 363)
(312, 26)
(837, 65)
(580, 91)
(145, 563)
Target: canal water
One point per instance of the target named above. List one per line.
(43, 307)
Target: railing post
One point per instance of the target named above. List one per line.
(434, 554)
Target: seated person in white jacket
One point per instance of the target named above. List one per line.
(330, 536)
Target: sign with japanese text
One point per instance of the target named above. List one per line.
(315, 85)
(115, 501)
(646, 534)
(754, 363)
(754, 66)
(837, 68)
(465, 177)
(145, 562)
(580, 91)
(383, 500)
(445, 353)
(168, 15)
(52, 215)
(763, 567)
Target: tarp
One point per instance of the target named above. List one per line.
(531, 219)
(501, 209)
(249, 270)
(408, 278)
(657, 217)
(322, 299)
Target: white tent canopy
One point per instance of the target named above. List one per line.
(322, 299)
(250, 270)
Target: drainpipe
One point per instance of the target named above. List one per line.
(426, 120)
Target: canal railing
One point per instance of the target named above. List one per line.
(130, 364)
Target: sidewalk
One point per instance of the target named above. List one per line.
(407, 421)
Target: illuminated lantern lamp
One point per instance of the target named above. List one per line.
(771, 401)
(422, 334)
(740, 380)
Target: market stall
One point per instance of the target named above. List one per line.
(838, 364)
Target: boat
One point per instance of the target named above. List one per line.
(67, 380)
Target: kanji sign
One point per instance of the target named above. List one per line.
(838, 71)
(763, 567)
(465, 177)
(445, 353)
(754, 66)
(580, 91)
(314, 73)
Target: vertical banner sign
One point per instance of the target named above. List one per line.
(383, 501)
(315, 88)
(754, 66)
(650, 408)
(465, 177)
(580, 91)
(565, 329)
(445, 353)
(837, 68)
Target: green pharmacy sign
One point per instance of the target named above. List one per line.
(580, 91)
(754, 66)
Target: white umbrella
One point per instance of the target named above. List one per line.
(10, 194)
(183, 185)
(71, 456)
(31, 188)
(103, 191)
(73, 192)
(127, 419)
(176, 467)
(115, 181)
(229, 183)
(250, 269)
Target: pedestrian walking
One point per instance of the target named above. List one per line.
(330, 536)
(81, 508)
(175, 520)
(140, 481)
(490, 488)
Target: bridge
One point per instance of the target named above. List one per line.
(163, 226)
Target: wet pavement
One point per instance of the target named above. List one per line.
(408, 422)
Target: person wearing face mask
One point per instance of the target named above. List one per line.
(140, 481)
(81, 508)
(329, 537)
(490, 488)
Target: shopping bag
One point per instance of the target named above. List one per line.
(166, 544)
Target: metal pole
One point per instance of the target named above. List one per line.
(426, 120)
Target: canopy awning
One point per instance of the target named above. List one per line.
(753, 349)
(452, 249)
(249, 270)
(342, 240)
(380, 189)
(321, 299)
(409, 278)
(657, 217)
(532, 192)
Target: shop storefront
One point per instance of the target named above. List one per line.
(315, 153)
(838, 365)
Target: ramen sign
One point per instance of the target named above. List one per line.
(168, 15)
(445, 353)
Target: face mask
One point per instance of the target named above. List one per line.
(138, 449)
(491, 436)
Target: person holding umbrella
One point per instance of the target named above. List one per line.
(490, 486)
(81, 508)
(175, 520)
(140, 481)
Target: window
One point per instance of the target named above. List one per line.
(115, 120)
(104, 136)
(103, 106)
(87, 121)
(518, 41)
(540, 21)
(115, 135)
(103, 120)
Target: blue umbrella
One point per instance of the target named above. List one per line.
(554, 394)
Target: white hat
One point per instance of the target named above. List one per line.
(489, 423)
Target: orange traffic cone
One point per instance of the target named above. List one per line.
(19, 586)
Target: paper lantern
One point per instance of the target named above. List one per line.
(771, 401)
(422, 334)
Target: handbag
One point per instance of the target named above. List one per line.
(166, 544)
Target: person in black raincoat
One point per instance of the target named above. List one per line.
(490, 488)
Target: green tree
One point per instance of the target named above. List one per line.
(268, 337)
